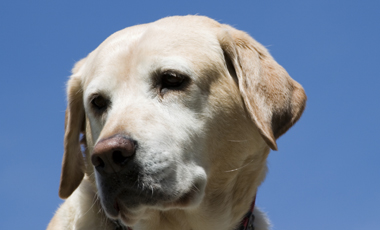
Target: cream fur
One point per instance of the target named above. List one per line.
(212, 137)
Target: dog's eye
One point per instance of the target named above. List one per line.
(99, 102)
(171, 80)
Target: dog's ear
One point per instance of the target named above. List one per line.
(73, 162)
(273, 99)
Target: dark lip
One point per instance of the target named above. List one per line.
(113, 210)
(119, 196)
(116, 206)
(120, 206)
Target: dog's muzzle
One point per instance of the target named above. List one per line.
(124, 182)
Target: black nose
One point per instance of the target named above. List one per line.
(110, 155)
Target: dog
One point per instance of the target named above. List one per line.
(169, 125)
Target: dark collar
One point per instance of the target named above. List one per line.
(246, 223)
(249, 218)
(119, 226)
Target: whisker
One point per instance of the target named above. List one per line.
(241, 167)
(237, 140)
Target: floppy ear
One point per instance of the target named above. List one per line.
(73, 163)
(273, 99)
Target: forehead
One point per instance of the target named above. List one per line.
(180, 36)
(192, 42)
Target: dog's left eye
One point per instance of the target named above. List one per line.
(171, 80)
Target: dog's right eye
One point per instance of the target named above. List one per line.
(99, 103)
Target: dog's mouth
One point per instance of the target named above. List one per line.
(124, 215)
(126, 197)
(130, 210)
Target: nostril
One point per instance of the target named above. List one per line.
(97, 162)
(111, 155)
(119, 158)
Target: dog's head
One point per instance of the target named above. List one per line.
(165, 106)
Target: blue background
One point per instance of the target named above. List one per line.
(327, 170)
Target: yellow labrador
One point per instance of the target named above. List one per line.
(177, 118)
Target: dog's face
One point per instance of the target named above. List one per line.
(166, 106)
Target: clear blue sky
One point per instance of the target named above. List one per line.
(326, 174)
